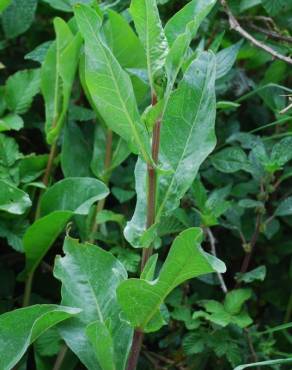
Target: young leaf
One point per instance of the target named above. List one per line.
(109, 86)
(57, 76)
(141, 299)
(193, 13)
(97, 298)
(148, 25)
(60, 202)
(21, 88)
(12, 199)
(20, 328)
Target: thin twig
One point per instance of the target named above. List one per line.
(212, 241)
(271, 34)
(234, 24)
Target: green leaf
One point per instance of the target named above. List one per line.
(225, 59)
(230, 160)
(257, 274)
(191, 112)
(9, 152)
(148, 25)
(18, 17)
(235, 299)
(141, 299)
(23, 326)
(4, 4)
(274, 7)
(109, 85)
(59, 203)
(39, 53)
(31, 167)
(76, 152)
(66, 5)
(12, 199)
(264, 363)
(191, 14)
(96, 297)
(284, 208)
(57, 77)
(21, 88)
(102, 342)
(124, 42)
(282, 152)
(11, 122)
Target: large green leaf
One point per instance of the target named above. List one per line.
(89, 277)
(57, 76)
(21, 88)
(18, 17)
(60, 202)
(191, 112)
(12, 199)
(20, 328)
(141, 300)
(148, 25)
(193, 13)
(109, 85)
(124, 42)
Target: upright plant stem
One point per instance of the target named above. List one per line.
(61, 357)
(147, 252)
(45, 180)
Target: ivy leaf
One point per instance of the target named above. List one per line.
(25, 325)
(109, 85)
(18, 17)
(21, 88)
(141, 300)
(190, 111)
(148, 25)
(97, 299)
(12, 199)
(57, 76)
(59, 203)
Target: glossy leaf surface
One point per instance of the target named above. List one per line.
(89, 277)
(151, 33)
(191, 112)
(141, 299)
(12, 199)
(60, 202)
(25, 325)
(109, 85)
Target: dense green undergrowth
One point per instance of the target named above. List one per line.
(145, 184)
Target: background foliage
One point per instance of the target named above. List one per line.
(241, 198)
